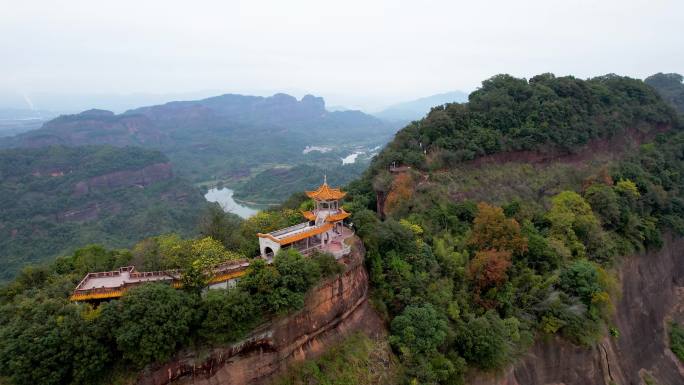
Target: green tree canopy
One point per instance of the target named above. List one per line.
(155, 320)
(573, 223)
(418, 330)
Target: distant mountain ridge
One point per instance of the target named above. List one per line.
(14, 121)
(417, 109)
(219, 137)
(239, 111)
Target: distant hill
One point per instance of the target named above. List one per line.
(56, 199)
(670, 87)
(15, 121)
(74, 101)
(223, 137)
(417, 109)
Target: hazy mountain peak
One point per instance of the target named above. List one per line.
(96, 112)
(314, 101)
(283, 97)
(418, 108)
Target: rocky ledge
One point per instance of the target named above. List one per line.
(140, 178)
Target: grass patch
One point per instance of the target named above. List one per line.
(677, 340)
(358, 360)
(649, 380)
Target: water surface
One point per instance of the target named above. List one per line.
(224, 197)
(351, 158)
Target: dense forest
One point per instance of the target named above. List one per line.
(471, 280)
(55, 199)
(543, 114)
(469, 262)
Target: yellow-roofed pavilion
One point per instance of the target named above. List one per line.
(324, 229)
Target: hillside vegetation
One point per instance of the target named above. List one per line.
(475, 260)
(56, 199)
(357, 360)
(543, 114)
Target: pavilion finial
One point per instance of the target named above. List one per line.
(325, 178)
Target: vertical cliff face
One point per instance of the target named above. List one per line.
(333, 310)
(652, 294)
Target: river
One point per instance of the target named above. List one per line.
(224, 197)
(351, 158)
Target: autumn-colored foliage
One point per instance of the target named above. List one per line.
(602, 177)
(489, 267)
(493, 231)
(402, 190)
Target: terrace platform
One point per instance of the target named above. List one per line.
(113, 284)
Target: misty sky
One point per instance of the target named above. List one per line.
(362, 54)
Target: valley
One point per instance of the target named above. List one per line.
(229, 138)
(57, 199)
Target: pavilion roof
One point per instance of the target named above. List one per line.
(310, 215)
(340, 215)
(326, 193)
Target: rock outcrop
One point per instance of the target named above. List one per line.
(142, 177)
(333, 310)
(652, 294)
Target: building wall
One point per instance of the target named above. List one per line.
(264, 243)
(231, 283)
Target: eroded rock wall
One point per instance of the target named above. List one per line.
(142, 177)
(652, 294)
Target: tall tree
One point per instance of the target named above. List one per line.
(493, 231)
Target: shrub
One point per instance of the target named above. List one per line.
(487, 341)
(155, 320)
(677, 340)
(228, 315)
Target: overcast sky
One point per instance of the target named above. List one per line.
(354, 53)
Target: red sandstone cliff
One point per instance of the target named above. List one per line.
(333, 310)
(142, 177)
(652, 293)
